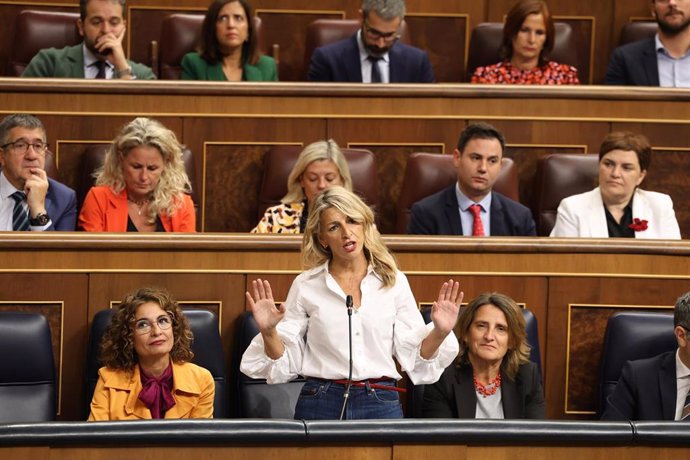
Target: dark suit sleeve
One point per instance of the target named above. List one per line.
(620, 405)
(439, 401)
(41, 65)
(319, 68)
(535, 407)
(420, 221)
(427, 71)
(67, 221)
(529, 228)
(616, 74)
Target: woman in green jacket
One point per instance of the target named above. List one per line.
(228, 48)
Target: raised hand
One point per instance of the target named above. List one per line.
(444, 311)
(262, 306)
(36, 189)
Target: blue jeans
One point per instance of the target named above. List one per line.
(323, 400)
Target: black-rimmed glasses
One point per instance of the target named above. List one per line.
(21, 147)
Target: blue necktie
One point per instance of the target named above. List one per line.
(20, 214)
(685, 415)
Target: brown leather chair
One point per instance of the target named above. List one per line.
(36, 30)
(428, 173)
(559, 176)
(179, 36)
(486, 39)
(637, 30)
(325, 31)
(280, 159)
(94, 157)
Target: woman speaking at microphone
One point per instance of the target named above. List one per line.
(308, 335)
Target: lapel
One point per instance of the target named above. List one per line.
(511, 399)
(252, 73)
(215, 72)
(395, 65)
(186, 392)
(51, 205)
(116, 214)
(496, 216)
(643, 210)
(596, 221)
(352, 64)
(452, 212)
(667, 386)
(122, 380)
(649, 64)
(75, 56)
(465, 396)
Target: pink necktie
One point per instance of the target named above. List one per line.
(477, 226)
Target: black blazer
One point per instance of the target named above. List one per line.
(438, 215)
(453, 396)
(646, 390)
(634, 64)
(339, 62)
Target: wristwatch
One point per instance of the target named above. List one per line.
(123, 72)
(40, 220)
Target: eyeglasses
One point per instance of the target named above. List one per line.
(144, 326)
(21, 146)
(376, 35)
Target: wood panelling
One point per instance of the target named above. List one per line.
(571, 286)
(437, 26)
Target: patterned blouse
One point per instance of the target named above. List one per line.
(551, 73)
(282, 218)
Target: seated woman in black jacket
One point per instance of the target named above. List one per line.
(493, 377)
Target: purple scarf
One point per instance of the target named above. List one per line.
(156, 392)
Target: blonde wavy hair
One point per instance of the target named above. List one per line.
(376, 252)
(173, 183)
(317, 151)
(518, 348)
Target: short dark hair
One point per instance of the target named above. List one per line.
(516, 16)
(480, 131)
(117, 345)
(21, 120)
(681, 311)
(628, 141)
(386, 9)
(209, 48)
(83, 3)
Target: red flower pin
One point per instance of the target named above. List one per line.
(639, 225)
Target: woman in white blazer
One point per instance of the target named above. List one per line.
(618, 208)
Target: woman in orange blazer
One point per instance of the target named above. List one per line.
(147, 373)
(142, 186)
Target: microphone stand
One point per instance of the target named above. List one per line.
(346, 395)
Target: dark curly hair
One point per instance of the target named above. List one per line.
(117, 346)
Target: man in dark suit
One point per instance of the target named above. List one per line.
(373, 54)
(663, 60)
(471, 207)
(29, 200)
(657, 388)
(101, 55)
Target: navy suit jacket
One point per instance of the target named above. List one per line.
(339, 62)
(646, 390)
(438, 215)
(61, 205)
(634, 64)
(454, 396)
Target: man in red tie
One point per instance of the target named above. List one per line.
(657, 388)
(471, 207)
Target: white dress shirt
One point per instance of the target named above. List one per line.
(682, 385)
(315, 333)
(91, 70)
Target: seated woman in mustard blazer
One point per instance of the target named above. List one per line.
(147, 375)
(228, 49)
(142, 186)
(618, 207)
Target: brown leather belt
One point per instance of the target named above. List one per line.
(371, 383)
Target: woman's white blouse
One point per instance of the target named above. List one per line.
(315, 333)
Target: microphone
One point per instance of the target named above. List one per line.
(346, 395)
